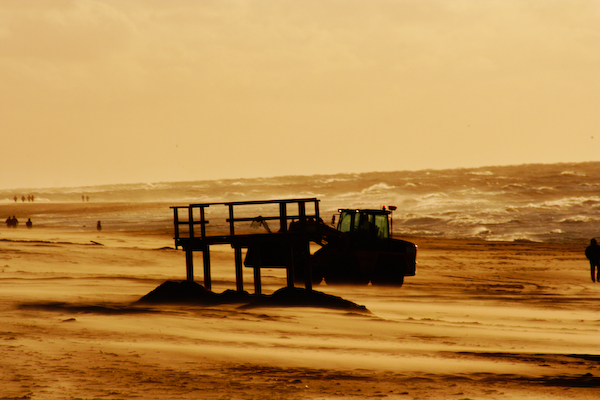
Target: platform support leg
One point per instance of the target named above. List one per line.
(289, 267)
(256, 262)
(189, 265)
(307, 267)
(206, 260)
(257, 283)
(239, 275)
(290, 276)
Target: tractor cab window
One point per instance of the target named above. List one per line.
(372, 225)
(364, 223)
(345, 222)
(381, 222)
(358, 222)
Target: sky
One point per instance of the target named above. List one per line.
(99, 92)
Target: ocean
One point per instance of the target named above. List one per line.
(535, 202)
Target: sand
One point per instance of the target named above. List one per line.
(481, 320)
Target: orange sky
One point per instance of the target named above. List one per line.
(120, 91)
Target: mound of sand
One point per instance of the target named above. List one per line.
(299, 297)
(186, 292)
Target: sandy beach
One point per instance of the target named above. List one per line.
(480, 320)
(470, 128)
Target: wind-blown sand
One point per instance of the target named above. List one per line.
(481, 320)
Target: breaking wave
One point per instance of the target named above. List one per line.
(552, 202)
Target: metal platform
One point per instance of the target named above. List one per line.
(298, 225)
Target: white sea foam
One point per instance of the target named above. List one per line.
(377, 188)
(481, 173)
(578, 219)
(573, 173)
(556, 202)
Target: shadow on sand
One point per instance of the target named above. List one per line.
(104, 309)
(192, 293)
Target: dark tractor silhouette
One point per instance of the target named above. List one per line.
(360, 250)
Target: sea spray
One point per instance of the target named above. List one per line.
(538, 202)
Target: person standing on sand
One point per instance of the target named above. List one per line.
(99, 226)
(592, 252)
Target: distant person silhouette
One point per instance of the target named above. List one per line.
(99, 226)
(592, 252)
(12, 222)
(29, 224)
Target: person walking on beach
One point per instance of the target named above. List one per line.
(592, 252)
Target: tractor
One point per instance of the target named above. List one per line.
(361, 250)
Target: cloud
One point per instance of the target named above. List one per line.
(71, 31)
(104, 77)
(62, 44)
(267, 44)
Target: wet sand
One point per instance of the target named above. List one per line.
(481, 320)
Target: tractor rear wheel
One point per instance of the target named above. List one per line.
(387, 274)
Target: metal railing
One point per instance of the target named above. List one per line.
(283, 217)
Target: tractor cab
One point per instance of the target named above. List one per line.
(372, 224)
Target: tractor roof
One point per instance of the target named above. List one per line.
(366, 211)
